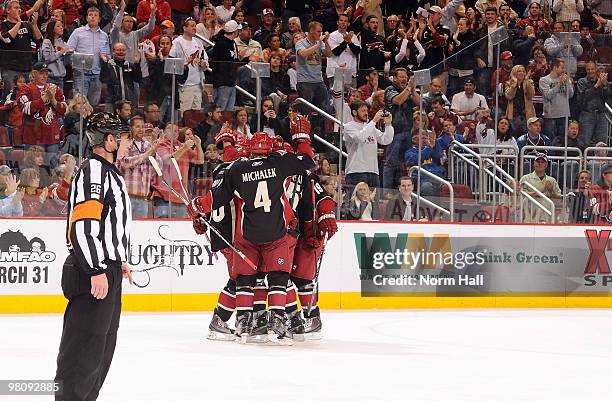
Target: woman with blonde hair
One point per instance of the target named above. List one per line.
(36, 200)
(363, 205)
(519, 90)
(209, 23)
(34, 157)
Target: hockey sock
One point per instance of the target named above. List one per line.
(260, 297)
(306, 292)
(277, 295)
(244, 294)
(291, 302)
(227, 301)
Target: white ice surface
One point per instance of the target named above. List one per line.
(437, 355)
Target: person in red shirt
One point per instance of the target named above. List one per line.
(534, 19)
(186, 148)
(43, 104)
(143, 13)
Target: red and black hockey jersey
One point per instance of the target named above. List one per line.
(260, 185)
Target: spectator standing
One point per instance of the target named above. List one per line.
(53, 51)
(498, 84)
(538, 67)
(43, 105)
(182, 9)
(186, 151)
(90, 39)
(435, 39)
(462, 61)
(225, 10)
(122, 31)
(373, 51)
(192, 51)
(162, 13)
(121, 76)
(163, 96)
(136, 169)
(523, 44)
(266, 27)
(534, 19)
(16, 47)
(400, 98)
(486, 56)
(345, 48)
(310, 84)
(519, 91)
(361, 138)
(329, 16)
(557, 88)
(72, 117)
(224, 61)
(567, 10)
(10, 196)
(467, 103)
(209, 25)
(593, 92)
(568, 52)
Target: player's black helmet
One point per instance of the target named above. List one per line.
(100, 125)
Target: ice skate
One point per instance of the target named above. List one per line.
(295, 327)
(219, 330)
(312, 328)
(277, 330)
(259, 333)
(244, 325)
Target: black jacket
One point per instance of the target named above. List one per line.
(118, 89)
(164, 82)
(223, 61)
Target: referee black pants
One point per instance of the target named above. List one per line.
(90, 332)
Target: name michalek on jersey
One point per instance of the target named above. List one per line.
(259, 175)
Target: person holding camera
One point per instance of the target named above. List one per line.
(362, 138)
(400, 98)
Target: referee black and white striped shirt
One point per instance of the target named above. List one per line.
(100, 216)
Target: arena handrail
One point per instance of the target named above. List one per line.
(451, 190)
(453, 152)
(538, 204)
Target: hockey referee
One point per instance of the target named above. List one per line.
(98, 236)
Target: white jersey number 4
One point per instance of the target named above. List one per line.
(262, 199)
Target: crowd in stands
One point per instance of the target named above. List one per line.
(546, 83)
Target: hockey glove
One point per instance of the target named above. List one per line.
(326, 218)
(309, 235)
(199, 225)
(225, 135)
(300, 130)
(200, 205)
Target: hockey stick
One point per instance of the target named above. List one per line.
(212, 228)
(315, 281)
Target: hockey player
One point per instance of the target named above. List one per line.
(259, 183)
(223, 218)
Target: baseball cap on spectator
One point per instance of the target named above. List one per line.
(541, 156)
(506, 55)
(244, 25)
(435, 9)
(469, 81)
(167, 24)
(231, 26)
(532, 120)
(40, 66)
(5, 170)
(148, 126)
(267, 11)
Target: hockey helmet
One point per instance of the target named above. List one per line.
(244, 146)
(100, 125)
(261, 144)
